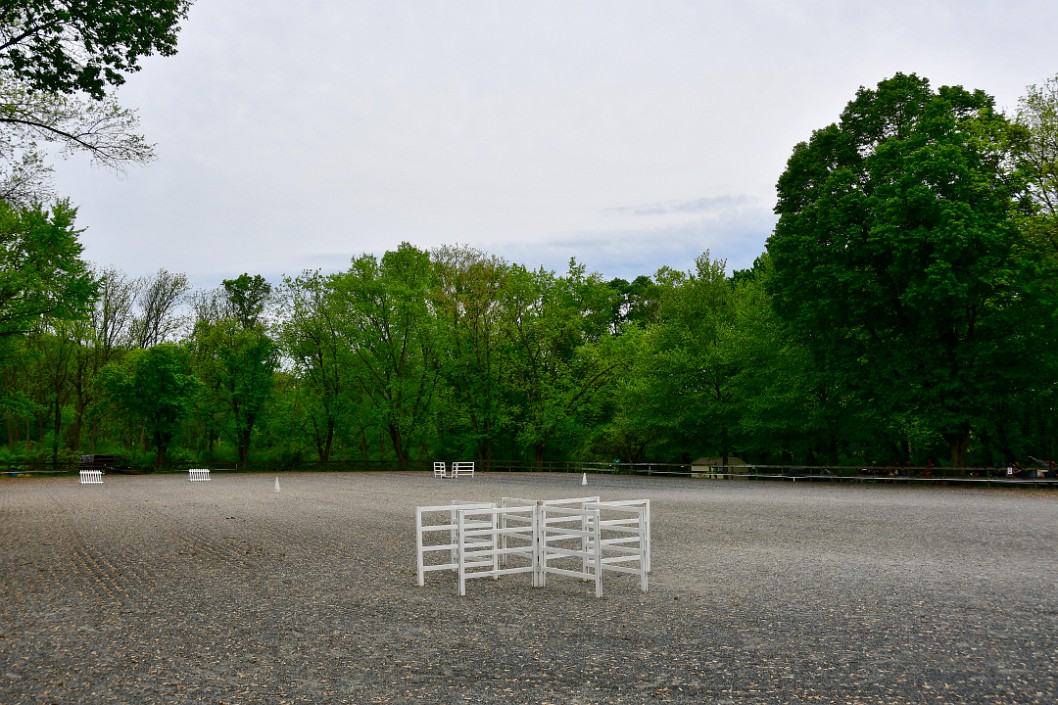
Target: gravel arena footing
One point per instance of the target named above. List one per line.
(153, 589)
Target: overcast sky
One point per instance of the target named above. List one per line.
(629, 135)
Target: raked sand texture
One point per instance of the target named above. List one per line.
(153, 589)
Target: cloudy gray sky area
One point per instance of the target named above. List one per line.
(630, 135)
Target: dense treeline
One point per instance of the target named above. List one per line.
(902, 313)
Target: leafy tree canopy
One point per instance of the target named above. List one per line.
(42, 275)
(73, 46)
(898, 257)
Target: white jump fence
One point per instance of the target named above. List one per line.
(579, 537)
(568, 537)
(463, 468)
(460, 468)
(91, 477)
(624, 537)
(437, 536)
(198, 474)
(481, 555)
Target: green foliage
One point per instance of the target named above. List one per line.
(897, 258)
(42, 275)
(155, 387)
(551, 369)
(57, 62)
(84, 46)
(469, 306)
(905, 308)
(390, 329)
(236, 360)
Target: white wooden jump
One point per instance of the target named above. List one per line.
(437, 536)
(91, 477)
(479, 552)
(580, 537)
(198, 474)
(460, 468)
(636, 527)
(624, 537)
(463, 468)
(567, 536)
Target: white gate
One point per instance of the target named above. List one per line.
(488, 538)
(569, 536)
(437, 536)
(624, 537)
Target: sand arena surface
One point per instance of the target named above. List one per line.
(152, 589)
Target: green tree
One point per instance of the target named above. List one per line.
(468, 298)
(84, 47)
(57, 62)
(554, 368)
(155, 389)
(637, 301)
(782, 411)
(56, 353)
(312, 337)
(693, 362)
(897, 258)
(102, 337)
(1037, 151)
(236, 359)
(42, 275)
(390, 330)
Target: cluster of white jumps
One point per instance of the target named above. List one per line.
(580, 537)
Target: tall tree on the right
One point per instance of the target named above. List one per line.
(899, 260)
(1037, 154)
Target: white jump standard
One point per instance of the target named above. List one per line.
(198, 474)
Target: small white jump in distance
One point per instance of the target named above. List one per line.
(91, 477)
(198, 474)
(460, 468)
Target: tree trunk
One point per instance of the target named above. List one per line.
(398, 446)
(958, 445)
(244, 453)
(328, 442)
(56, 428)
(160, 445)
